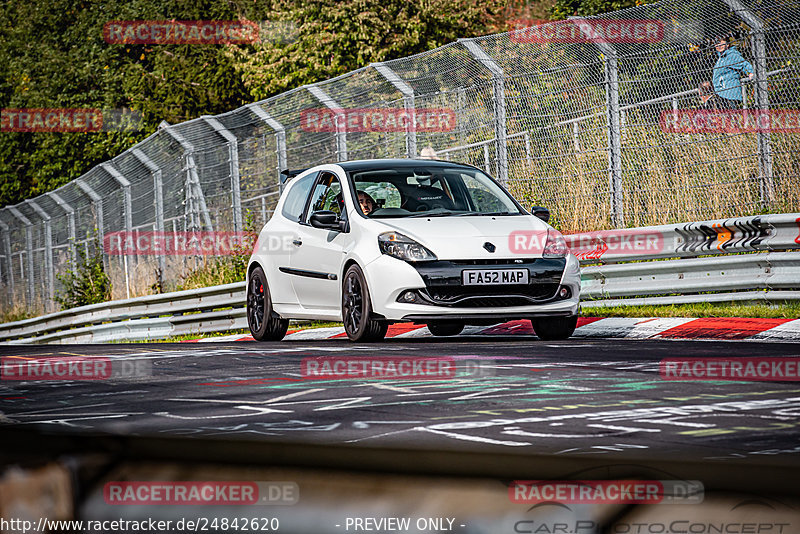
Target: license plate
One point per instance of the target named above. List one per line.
(490, 277)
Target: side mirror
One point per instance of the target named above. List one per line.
(327, 220)
(542, 213)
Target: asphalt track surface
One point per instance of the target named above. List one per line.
(574, 397)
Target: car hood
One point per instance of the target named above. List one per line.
(463, 238)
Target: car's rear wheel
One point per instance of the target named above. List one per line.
(554, 328)
(263, 323)
(357, 309)
(445, 329)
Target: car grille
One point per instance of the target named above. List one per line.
(495, 296)
(443, 285)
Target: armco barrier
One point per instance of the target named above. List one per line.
(722, 236)
(772, 270)
(745, 259)
(149, 317)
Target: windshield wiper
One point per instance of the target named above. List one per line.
(444, 213)
(486, 214)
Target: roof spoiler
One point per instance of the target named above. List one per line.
(286, 175)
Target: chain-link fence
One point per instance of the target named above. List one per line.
(596, 119)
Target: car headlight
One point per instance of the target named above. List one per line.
(403, 247)
(555, 246)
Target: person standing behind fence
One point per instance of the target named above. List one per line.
(728, 69)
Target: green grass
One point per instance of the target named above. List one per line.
(704, 309)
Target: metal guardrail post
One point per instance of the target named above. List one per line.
(48, 249)
(498, 82)
(615, 140)
(126, 191)
(97, 200)
(9, 263)
(758, 41)
(233, 152)
(280, 138)
(28, 250)
(614, 123)
(408, 104)
(70, 211)
(341, 126)
(158, 198)
(192, 178)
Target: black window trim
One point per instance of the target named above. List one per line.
(321, 174)
(308, 196)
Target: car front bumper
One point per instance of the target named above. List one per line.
(443, 298)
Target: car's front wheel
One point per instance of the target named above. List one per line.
(554, 328)
(263, 323)
(357, 309)
(445, 329)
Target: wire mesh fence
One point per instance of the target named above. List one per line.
(632, 118)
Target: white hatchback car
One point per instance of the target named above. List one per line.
(374, 242)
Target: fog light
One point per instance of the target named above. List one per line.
(408, 296)
(563, 292)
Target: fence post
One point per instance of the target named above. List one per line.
(615, 139)
(498, 82)
(126, 191)
(48, 250)
(158, 199)
(613, 121)
(28, 249)
(70, 211)
(233, 151)
(341, 126)
(408, 104)
(528, 151)
(9, 263)
(576, 130)
(758, 41)
(192, 178)
(280, 138)
(97, 200)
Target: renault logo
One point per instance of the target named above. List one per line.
(490, 247)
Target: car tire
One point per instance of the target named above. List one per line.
(554, 328)
(445, 329)
(264, 323)
(357, 309)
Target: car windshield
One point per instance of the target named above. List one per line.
(432, 191)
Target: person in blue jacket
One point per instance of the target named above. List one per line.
(728, 70)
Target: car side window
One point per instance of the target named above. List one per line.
(296, 198)
(326, 196)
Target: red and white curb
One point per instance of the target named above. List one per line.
(726, 328)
